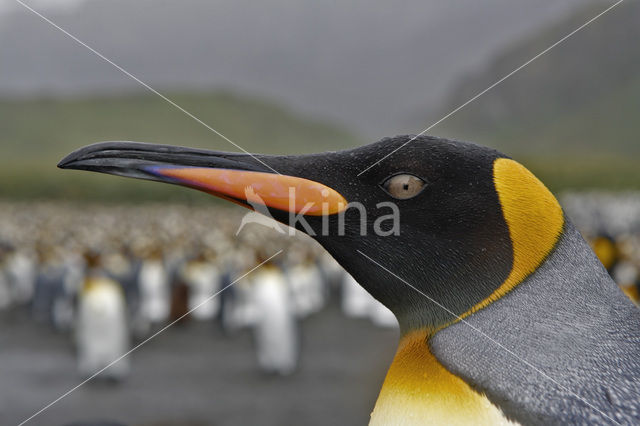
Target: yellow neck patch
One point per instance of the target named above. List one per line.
(418, 390)
(535, 220)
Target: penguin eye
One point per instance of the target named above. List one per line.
(403, 186)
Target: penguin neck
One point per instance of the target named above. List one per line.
(418, 389)
(535, 222)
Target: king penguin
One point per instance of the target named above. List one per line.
(101, 330)
(506, 315)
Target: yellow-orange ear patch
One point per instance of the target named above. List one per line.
(535, 220)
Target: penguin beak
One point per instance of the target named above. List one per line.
(244, 179)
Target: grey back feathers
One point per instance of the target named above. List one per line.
(570, 321)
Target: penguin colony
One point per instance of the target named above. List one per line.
(483, 245)
(108, 277)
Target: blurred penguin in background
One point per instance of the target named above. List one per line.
(132, 285)
(307, 285)
(63, 308)
(49, 284)
(202, 278)
(179, 301)
(20, 268)
(237, 302)
(102, 334)
(153, 281)
(275, 328)
(228, 301)
(124, 266)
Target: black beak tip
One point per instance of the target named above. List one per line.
(76, 156)
(66, 161)
(86, 153)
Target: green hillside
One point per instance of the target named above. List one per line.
(35, 134)
(572, 115)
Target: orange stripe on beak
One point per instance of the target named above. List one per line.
(286, 193)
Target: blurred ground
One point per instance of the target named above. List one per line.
(193, 375)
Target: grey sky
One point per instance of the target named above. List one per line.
(373, 65)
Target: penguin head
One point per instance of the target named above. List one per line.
(434, 223)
